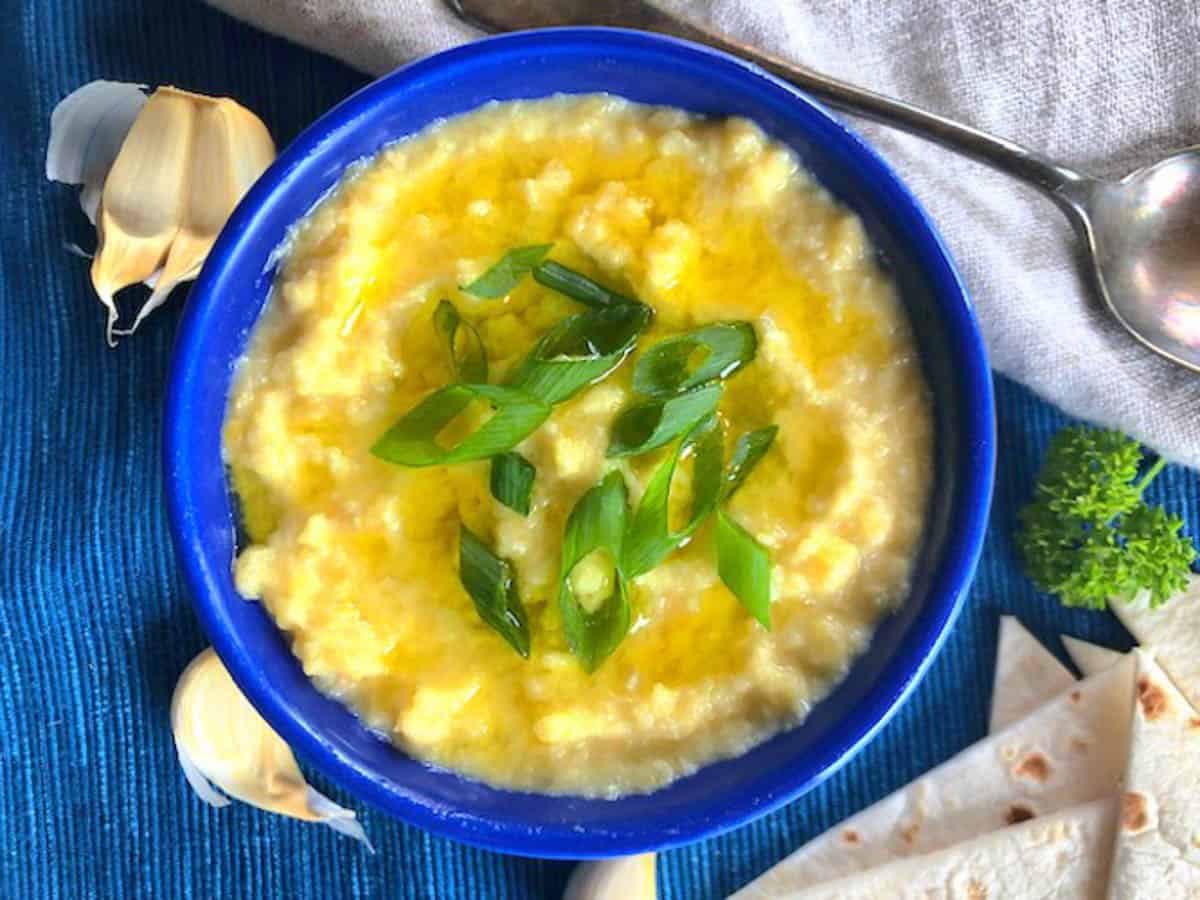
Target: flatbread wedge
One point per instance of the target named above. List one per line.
(1027, 675)
(1157, 851)
(1059, 856)
(1070, 751)
(1089, 658)
(1173, 630)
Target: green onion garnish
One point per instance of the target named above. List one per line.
(512, 481)
(471, 363)
(748, 453)
(745, 567)
(577, 286)
(412, 440)
(489, 581)
(689, 360)
(650, 539)
(503, 276)
(580, 350)
(645, 426)
(595, 615)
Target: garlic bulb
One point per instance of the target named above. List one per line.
(222, 741)
(619, 878)
(185, 160)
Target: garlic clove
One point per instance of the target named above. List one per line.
(159, 176)
(230, 148)
(619, 878)
(222, 742)
(142, 204)
(87, 129)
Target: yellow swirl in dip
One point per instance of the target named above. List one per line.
(357, 560)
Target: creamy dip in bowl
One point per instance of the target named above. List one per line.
(868, 502)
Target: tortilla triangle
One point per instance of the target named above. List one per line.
(1089, 658)
(1173, 630)
(1157, 851)
(1070, 751)
(1064, 855)
(1027, 675)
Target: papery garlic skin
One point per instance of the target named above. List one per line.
(87, 129)
(159, 202)
(618, 878)
(222, 742)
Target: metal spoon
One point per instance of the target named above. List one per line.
(1142, 233)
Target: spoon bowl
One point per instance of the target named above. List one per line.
(1145, 240)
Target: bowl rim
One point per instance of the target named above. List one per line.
(200, 571)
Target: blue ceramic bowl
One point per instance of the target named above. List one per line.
(229, 295)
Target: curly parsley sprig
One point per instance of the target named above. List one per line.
(1088, 536)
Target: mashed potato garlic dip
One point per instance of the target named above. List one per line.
(380, 572)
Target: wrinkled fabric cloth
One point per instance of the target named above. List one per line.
(1102, 86)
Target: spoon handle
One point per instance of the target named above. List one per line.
(1065, 186)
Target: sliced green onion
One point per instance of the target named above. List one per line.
(577, 286)
(512, 481)
(689, 360)
(745, 567)
(750, 449)
(580, 350)
(471, 365)
(489, 581)
(503, 276)
(645, 426)
(412, 440)
(650, 540)
(597, 523)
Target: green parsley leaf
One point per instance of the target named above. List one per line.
(1087, 535)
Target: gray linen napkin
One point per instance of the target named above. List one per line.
(1105, 86)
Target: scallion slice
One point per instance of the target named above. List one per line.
(504, 275)
(577, 286)
(648, 425)
(412, 441)
(745, 567)
(697, 357)
(595, 525)
(650, 539)
(470, 364)
(489, 581)
(750, 449)
(512, 481)
(579, 351)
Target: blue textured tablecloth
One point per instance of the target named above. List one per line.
(94, 624)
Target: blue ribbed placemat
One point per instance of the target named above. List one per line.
(94, 626)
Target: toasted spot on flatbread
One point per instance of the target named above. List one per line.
(850, 836)
(1134, 816)
(1079, 745)
(1194, 723)
(1152, 699)
(1034, 766)
(1018, 813)
(1076, 696)
(976, 891)
(909, 833)
(1009, 753)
